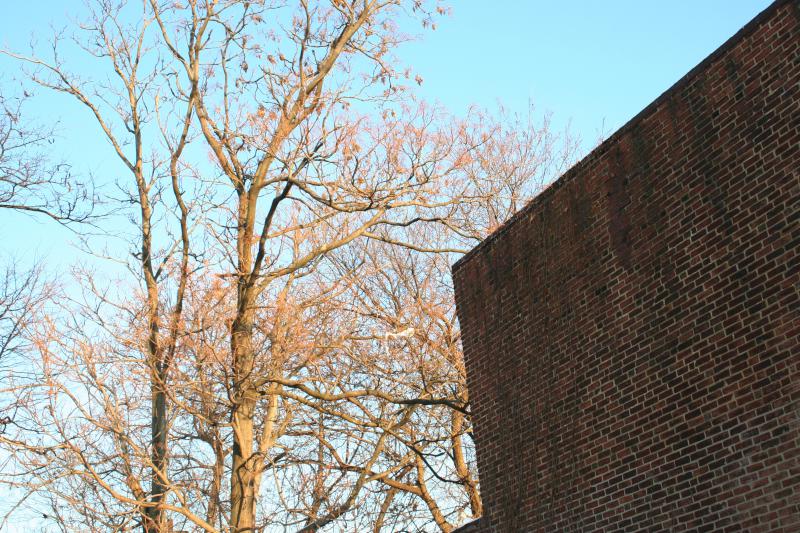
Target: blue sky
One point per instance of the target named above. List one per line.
(597, 63)
(592, 64)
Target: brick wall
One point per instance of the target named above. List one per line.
(632, 337)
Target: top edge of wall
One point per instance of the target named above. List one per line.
(574, 171)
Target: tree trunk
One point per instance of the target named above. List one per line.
(244, 465)
(155, 522)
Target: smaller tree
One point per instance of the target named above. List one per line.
(30, 183)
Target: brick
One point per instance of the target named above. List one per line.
(632, 336)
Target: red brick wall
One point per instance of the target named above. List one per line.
(632, 337)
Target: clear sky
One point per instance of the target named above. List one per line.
(593, 64)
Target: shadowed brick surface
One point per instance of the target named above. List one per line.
(632, 337)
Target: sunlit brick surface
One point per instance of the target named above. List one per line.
(632, 337)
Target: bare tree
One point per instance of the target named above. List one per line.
(279, 352)
(30, 183)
